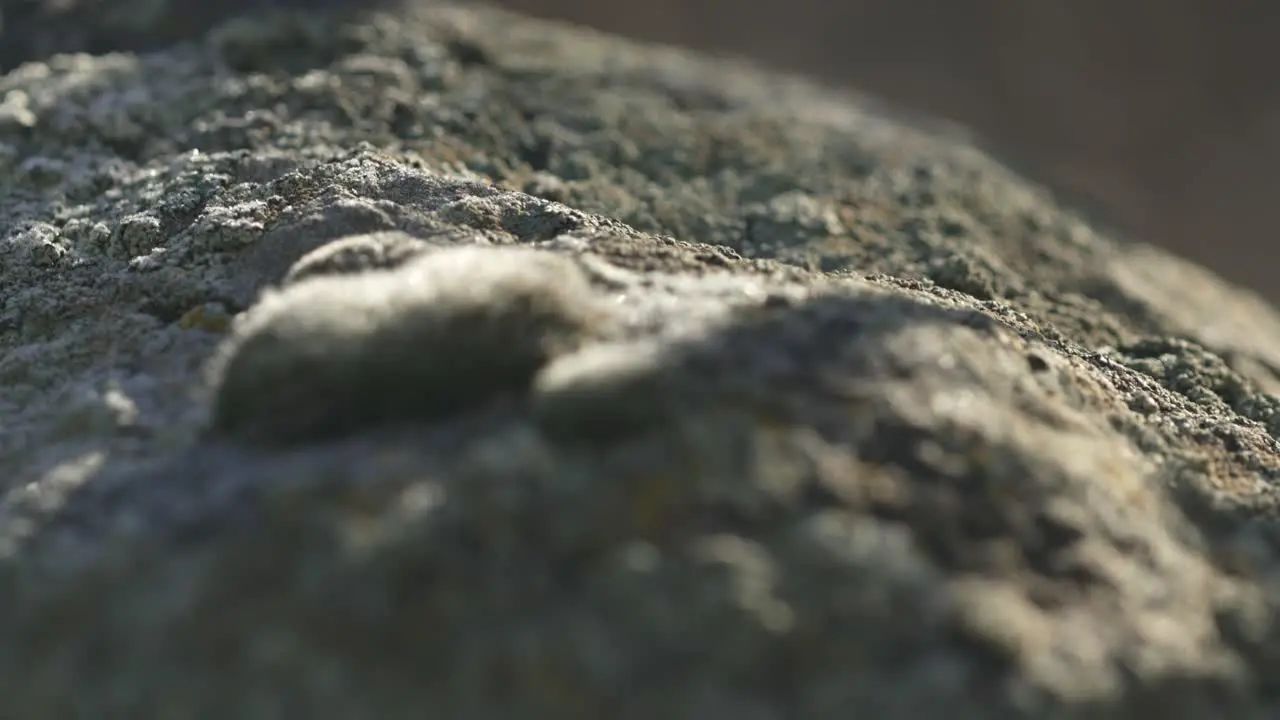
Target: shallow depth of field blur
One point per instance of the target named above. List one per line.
(1160, 116)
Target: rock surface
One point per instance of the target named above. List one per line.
(1159, 115)
(439, 363)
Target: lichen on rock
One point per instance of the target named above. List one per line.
(781, 408)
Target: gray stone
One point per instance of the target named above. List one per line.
(306, 411)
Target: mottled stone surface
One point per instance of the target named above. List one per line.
(440, 363)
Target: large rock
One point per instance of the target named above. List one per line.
(1160, 115)
(444, 364)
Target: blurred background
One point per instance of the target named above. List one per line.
(1162, 114)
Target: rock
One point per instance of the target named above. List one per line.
(458, 327)
(1157, 117)
(782, 409)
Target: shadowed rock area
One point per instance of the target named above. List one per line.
(435, 362)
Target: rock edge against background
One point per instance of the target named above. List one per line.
(439, 363)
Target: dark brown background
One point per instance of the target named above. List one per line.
(1164, 113)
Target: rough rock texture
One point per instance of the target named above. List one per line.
(36, 29)
(444, 364)
(1160, 115)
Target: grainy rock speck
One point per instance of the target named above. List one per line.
(431, 362)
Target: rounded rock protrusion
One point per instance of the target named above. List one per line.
(451, 330)
(355, 254)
